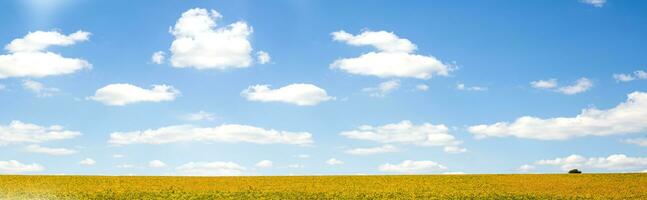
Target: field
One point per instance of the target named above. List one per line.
(541, 186)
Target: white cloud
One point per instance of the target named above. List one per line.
(211, 169)
(454, 149)
(615, 162)
(303, 156)
(28, 56)
(394, 57)
(125, 166)
(595, 3)
(334, 161)
(158, 57)
(300, 94)
(637, 141)
(118, 156)
(200, 116)
(387, 148)
(295, 166)
(87, 161)
(19, 132)
(461, 86)
(156, 164)
(454, 173)
(13, 166)
(526, 168)
(544, 84)
(627, 117)
(581, 85)
(263, 57)
(200, 44)
(637, 75)
(264, 164)
(422, 87)
(50, 151)
(383, 89)
(407, 133)
(411, 166)
(121, 94)
(38, 88)
(231, 133)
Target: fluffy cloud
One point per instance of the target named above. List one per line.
(39, 89)
(211, 169)
(264, 164)
(411, 166)
(156, 164)
(50, 151)
(28, 56)
(462, 86)
(263, 57)
(615, 162)
(526, 168)
(158, 57)
(200, 116)
(595, 3)
(334, 161)
(231, 133)
(637, 75)
(387, 148)
(637, 141)
(19, 132)
(627, 117)
(394, 57)
(118, 155)
(406, 133)
(300, 94)
(87, 161)
(13, 166)
(422, 87)
(121, 94)
(383, 89)
(200, 44)
(581, 85)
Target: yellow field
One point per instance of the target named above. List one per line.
(562, 186)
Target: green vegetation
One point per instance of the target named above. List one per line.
(540, 186)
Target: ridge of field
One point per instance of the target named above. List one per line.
(513, 186)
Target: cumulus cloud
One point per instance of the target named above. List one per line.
(200, 116)
(637, 141)
(637, 75)
(13, 166)
(158, 57)
(231, 133)
(264, 164)
(394, 57)
(200, 44)
(49, 151)
(156, 164)
(422, 87)
(461, 86)
(627, 117)
(383, 88)
(412, 166)
(19, 132)
(454, 149)
(615, 162)
(39, 89)
(210, 169)
(581, 85)
(263, 57)
(121, 94)
(300, 94)
(28, 56)
(87, 161)
(387, 148)
(334, 161)
(406, 132)
(595, 3)
(526, 168)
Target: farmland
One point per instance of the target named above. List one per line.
(552, 186)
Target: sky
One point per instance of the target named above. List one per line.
(219, 88)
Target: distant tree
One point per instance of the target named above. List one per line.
(574, 171)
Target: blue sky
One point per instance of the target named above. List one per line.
(361, 87)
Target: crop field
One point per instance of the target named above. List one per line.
(540, 186)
